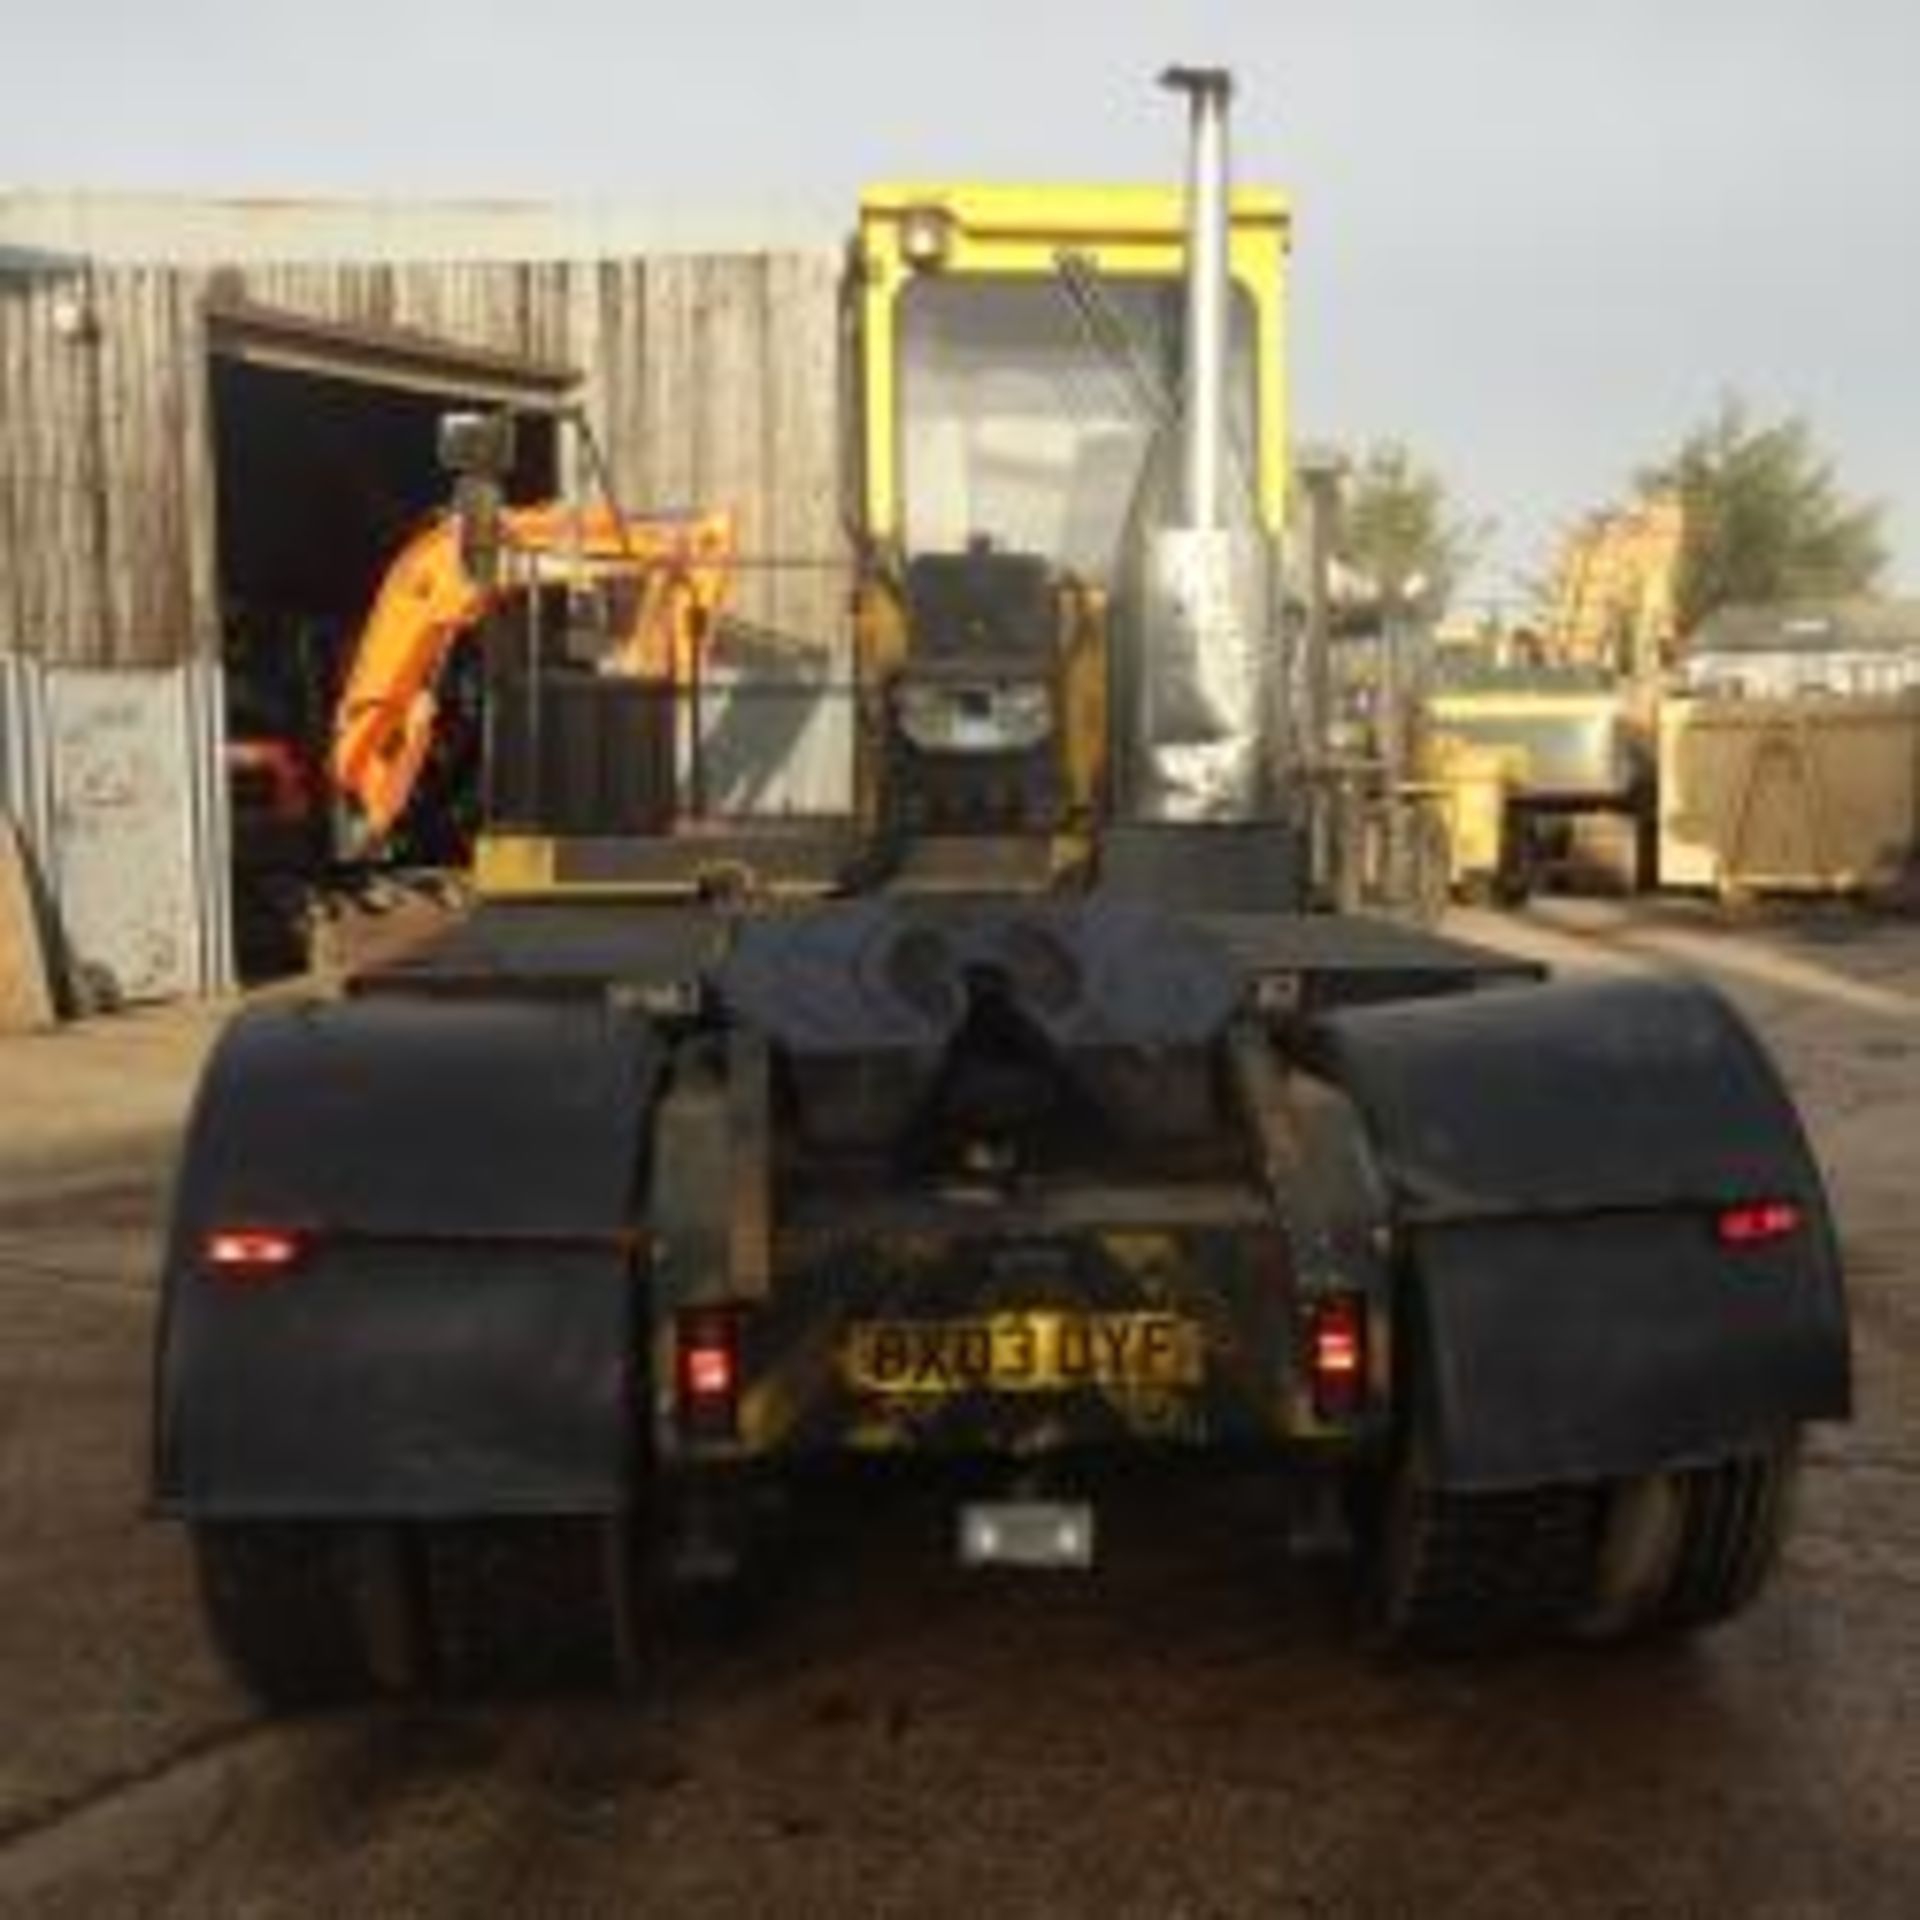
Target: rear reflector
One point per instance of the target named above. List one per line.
(251, 1253)
(1754, 1222)
(1337, 1356)
(708, 1373)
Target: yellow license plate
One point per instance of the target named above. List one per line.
(1040, 1352)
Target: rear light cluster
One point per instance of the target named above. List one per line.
(248, 1254)
(1337, 1356)
(707, 1373)
(1753, 1223)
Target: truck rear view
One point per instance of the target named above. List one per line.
(1033, 1125)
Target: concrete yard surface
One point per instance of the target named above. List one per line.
(1194, 1728)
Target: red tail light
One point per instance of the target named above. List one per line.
(1337, 1356)
(1754, 1222)
(709, 1373)
(251, 1253)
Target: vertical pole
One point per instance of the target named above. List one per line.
(536, 717)
(1321, 470)
(1203, 471)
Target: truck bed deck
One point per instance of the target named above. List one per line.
(570, 948)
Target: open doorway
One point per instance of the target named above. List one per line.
(325, 463)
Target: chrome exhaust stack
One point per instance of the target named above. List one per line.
(1204, 422)
(1205, 712)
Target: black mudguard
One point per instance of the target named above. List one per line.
(1558, 1158)
(462, 1334)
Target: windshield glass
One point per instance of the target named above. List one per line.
(1022, 423)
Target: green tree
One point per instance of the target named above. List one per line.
(1766, 520)
(1400, 525)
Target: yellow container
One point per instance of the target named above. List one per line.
(1819, 793)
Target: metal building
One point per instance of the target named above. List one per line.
(217, 424)
(1859, 648)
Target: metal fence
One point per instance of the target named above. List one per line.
(573, 751)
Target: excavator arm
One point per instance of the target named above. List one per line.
(428, 603)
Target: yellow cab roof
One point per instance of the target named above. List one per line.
(1093, 212)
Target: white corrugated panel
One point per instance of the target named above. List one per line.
(24, 790)
(115, 775)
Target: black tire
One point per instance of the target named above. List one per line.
(305, 1614)
(1448, 1572)
(1646, 844)
(1687, 1550)
(534, 1605)
(1512, 890)
(1518, 875)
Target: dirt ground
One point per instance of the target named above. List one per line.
(1194, 1729)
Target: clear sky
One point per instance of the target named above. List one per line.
(1536, 240)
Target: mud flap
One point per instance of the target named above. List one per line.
(1558, 1158)
(461, 1333)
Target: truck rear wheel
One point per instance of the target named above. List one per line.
(1683, 1551)
(530, 1605)
(1451, 1572)
(306, 1614)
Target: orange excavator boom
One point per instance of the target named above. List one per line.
(429, 602)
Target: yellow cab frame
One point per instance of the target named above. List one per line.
(1123, 233)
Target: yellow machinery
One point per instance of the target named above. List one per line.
(1614, 601)
(1547, 759)
(1538, 765)
(1017, 360)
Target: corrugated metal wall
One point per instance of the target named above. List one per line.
(709, 378)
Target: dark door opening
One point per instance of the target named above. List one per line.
(321, 479)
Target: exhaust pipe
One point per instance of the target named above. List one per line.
(1203, 700)
(1203, 467)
